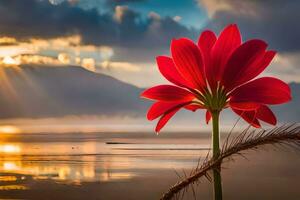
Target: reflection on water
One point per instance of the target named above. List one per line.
(8, 178)
(89, 160)
(132, 166)
(7, 129)
(9, 148)
(13, 187)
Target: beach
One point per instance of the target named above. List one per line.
(135, 166)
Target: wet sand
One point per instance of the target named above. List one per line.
(134, 166)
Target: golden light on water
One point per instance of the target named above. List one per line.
(21, 160)
(13, 187)
(63, 173)
(7, 178)
(7, 40)
(10, 148)
(7, 129)
(10, 166)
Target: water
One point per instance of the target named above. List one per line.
(27, 160)
(130, 166)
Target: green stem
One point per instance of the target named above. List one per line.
(216, 152)
(215, 134)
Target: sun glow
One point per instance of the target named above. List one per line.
(64, 51)
(8, 60)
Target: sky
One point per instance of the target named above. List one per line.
(121, 38)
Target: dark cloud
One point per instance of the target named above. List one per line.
(276, 21)
(26, 19)
(123, 28)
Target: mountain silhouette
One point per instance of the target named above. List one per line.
(56, 91)
(34, 91)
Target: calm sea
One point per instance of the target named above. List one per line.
(134, 166)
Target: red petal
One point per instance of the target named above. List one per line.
(159, 108)
(227, 42)
(188, 61)
(258, 68)
(167, 68)
(207, 116)
(265, 114)
(244, 105)
(244, 57)
(193, 107)
(164, 119)
(206, 41)
(248, 116)
(167, 93)
(266, 90)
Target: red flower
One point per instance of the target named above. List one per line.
(216, 74)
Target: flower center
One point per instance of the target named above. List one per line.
(215, 100)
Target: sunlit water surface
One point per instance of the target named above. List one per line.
(115, 165)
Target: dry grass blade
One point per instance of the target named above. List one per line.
(285, 135)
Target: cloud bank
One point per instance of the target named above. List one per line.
(276, 21)
(123, 28)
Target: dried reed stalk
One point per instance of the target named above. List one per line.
(285, 135)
